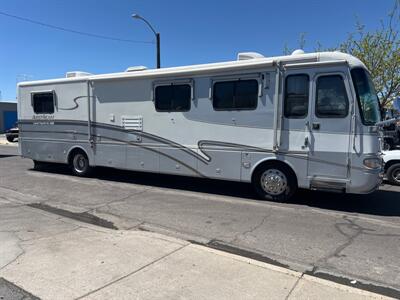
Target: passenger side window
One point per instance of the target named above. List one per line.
(296, 96)
(174, 97)
(332, 101)
(235, 95)
(43, 103)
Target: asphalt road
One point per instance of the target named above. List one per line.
(340, 237)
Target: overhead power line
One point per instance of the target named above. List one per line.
(93, 35)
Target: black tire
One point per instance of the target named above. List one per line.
(10, 139)
(282, 189)
(38, 165)
(393, 174)
(79, 164)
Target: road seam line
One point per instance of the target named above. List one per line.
(294, 286)
(132, 273)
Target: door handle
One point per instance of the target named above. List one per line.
(307, 131)
(306, 143)
(316, 126)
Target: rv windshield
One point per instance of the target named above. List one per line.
(366, 96)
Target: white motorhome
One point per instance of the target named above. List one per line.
(281, 123)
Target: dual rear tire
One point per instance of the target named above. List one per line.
(79, 164)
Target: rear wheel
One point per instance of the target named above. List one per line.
(38, 165)
(80, 164)
(393, 174)
(274, 181)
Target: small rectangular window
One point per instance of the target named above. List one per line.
(296, 96)
(173, 97)
(332, 101)
(235, 95)
(43, 103)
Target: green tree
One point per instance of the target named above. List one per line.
(379, 50)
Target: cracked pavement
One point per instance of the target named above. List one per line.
(352, 236)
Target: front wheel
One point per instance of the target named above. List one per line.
(393, 174)
(274, 182)
(38, 165)
(80, 165)
(10, 139)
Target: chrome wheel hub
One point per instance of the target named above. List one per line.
(274, 182)
(396, 175)
(79, 163)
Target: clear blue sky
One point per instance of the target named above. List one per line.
(191, 32)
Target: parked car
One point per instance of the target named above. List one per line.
(391, 132)
(12, 134)
(392, 166)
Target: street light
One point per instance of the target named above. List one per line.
(136, 16)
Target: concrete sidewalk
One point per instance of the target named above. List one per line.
(52, 257)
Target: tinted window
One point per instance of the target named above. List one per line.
(173, 97)
(332, 99)
(235, 95)
(43, 103)
(366, 96)
(296, 96)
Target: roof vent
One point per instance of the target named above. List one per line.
(298, 52)
(77, 74)
(136, 68)
(249, 55)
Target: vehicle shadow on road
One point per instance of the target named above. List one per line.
(5, 155)
(379, 203)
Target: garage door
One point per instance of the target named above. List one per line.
(10, 118)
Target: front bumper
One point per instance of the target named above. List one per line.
(365, 182)
(11, 134)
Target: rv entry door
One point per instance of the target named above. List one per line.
(329, 127)
(295, 136)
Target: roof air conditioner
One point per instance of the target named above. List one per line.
(249, 55)
(136, 68)
(77, 74)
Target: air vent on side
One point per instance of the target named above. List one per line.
(132, 122)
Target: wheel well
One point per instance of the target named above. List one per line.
(274, 162)
(75, 151)
(391, 163)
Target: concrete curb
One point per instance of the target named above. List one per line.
(300, 276)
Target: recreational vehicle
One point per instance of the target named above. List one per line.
(281, 123)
